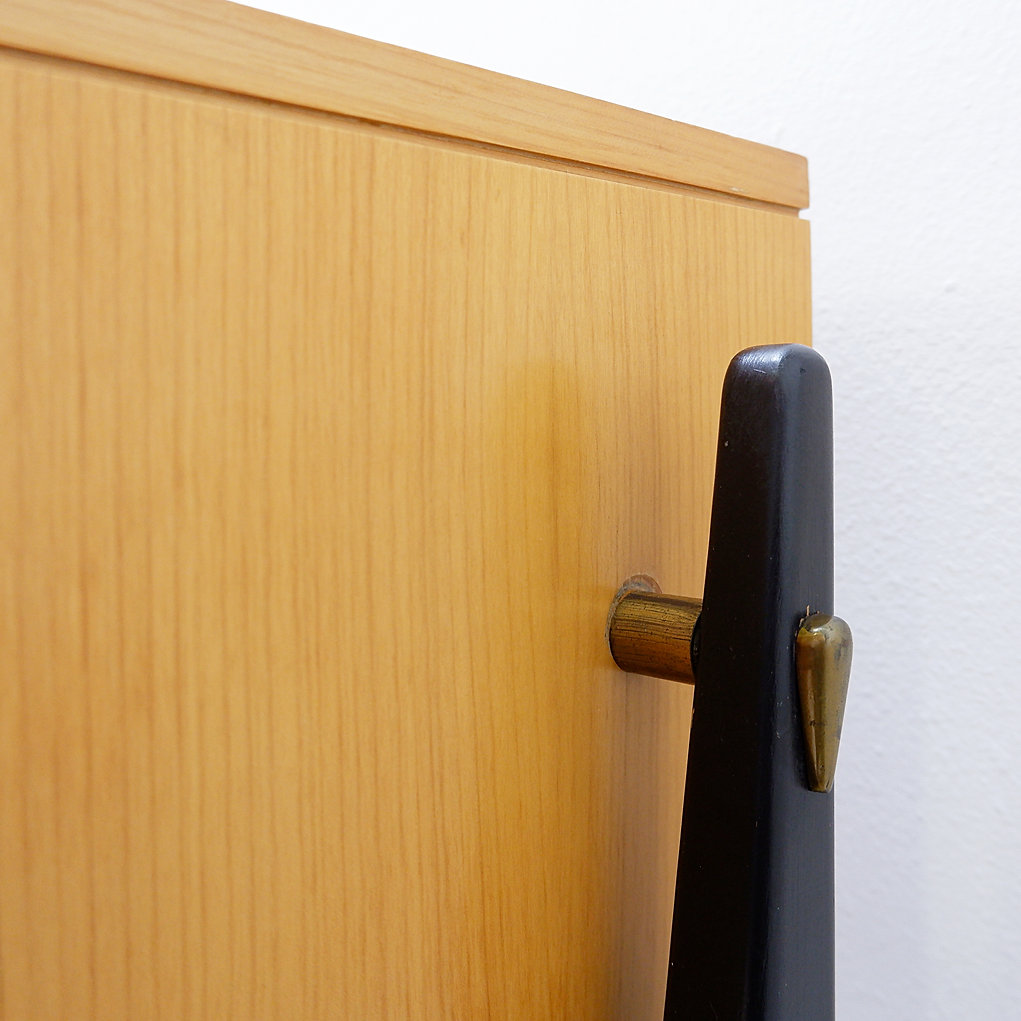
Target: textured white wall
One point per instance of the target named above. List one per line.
(910, 115)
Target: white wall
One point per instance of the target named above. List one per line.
(910, 114)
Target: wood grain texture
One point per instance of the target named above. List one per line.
(238, 49)
(325, 452)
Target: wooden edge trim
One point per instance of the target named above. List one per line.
(222, 45)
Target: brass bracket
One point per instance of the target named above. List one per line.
(657, 635)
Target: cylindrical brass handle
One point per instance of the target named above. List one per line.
(654, 634)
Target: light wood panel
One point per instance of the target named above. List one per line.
(235, 48)
(325, 453)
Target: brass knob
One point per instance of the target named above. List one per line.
(822, 658)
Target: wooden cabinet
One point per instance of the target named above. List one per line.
(341, 388)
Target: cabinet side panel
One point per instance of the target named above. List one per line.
(325, 452)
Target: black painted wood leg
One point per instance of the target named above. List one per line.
(752, 933)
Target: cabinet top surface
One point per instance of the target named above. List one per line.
(225, 46)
